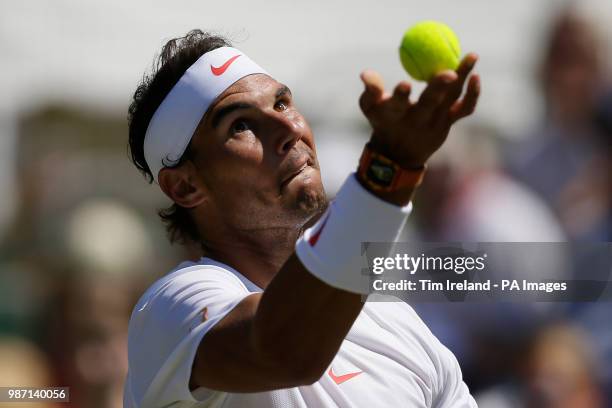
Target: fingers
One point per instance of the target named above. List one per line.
(435, 93)
(374, 90)
(468, 63)
(463, 71)
(467, 105)
(401, 94)
(438, 102)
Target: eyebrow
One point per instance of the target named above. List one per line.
(226, 110)
(282, 91)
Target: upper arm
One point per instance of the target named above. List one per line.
(228, 358)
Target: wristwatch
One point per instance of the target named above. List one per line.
(382, 174)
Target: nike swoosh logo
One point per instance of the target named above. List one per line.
(339, 379)
(315, 237)
(217, 71)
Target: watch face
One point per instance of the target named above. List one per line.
(380, 173)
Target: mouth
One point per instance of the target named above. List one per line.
(301, 166)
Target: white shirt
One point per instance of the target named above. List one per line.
(399, 362)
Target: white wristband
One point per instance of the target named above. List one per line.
(331, 249)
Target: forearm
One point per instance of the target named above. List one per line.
(301, 321)
(283, 337)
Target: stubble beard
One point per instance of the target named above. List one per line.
(310, 203)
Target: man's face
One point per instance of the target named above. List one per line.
(255, 154)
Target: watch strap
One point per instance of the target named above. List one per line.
(383, 174)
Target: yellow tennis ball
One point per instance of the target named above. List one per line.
(428, 48)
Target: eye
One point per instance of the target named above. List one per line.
(239, 126)
(280, 106)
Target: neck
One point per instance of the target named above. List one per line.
(258, 255)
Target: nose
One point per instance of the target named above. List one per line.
(289, 129)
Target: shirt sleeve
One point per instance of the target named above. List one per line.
(166, 328)
(449, 389)
(454, 393)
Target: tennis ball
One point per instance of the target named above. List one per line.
(427, 48)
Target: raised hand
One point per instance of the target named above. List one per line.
(410, 132)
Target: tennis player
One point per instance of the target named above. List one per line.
(272, 314)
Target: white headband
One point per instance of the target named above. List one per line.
(179, 114)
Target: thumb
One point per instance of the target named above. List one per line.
(373, 92)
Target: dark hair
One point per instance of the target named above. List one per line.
(176, 57)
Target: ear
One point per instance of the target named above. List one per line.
(180, 185)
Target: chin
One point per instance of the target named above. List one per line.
(311, 200)
(307, 194)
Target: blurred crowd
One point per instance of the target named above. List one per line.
(85, 241)
(554, 184)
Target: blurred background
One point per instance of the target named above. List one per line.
(80, 239)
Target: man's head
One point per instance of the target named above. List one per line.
(571, 73)
(251, 162)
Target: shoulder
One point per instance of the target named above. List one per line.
(398, 313)
(190, 278)
(173, 305)
(168, 323)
